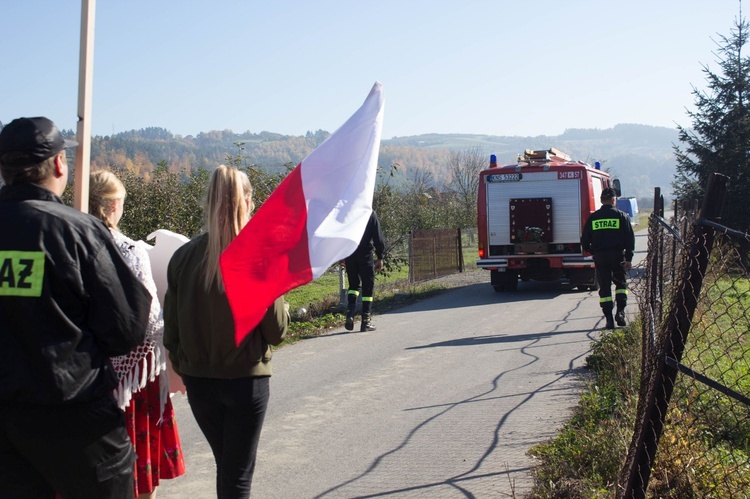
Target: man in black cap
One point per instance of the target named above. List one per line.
(608, 236)
(68, 302)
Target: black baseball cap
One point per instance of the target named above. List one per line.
(608, 193)
(27, 141)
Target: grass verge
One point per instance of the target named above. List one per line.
(704, 450)
(316, 309)
(584, 459)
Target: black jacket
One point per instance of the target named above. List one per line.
(608, 229)
(68, 301)
(371, 239)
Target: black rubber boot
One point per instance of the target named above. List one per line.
(366, 315)
(349, 324)
(610, 320)
(367, 324)
(620, 316)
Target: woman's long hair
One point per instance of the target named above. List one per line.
(104, 189)
(227, 210)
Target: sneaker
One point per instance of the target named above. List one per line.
(620, 318)
(367, 326)
(349, 324)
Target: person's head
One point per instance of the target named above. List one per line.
(32, 150)
(229, 203)
(608, 196)
(106, 197)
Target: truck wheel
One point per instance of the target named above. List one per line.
(504, 281)
(512, 284)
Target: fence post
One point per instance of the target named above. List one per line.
(434, 255)
(673, 263)
(411, 257)
(461, 267)
(658, 257)
(650, 423)
(343, 286)
(653, 321)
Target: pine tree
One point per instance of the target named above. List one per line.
(719, 140)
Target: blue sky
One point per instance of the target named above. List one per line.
(497, 67)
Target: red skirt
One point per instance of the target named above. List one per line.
(157, 446)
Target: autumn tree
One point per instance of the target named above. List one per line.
(166, 200)
(719, 140)
(464, 167)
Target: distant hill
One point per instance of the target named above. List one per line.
(640, 155)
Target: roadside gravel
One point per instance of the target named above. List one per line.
(465, 278)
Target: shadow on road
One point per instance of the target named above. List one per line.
(483, 294)
(500, 338)
(461, 483)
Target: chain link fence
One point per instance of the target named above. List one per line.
(692, 427)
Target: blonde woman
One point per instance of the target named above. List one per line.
(142, 390)
(227, 385)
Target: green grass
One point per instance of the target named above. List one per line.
(642, 216)
(322, 294)
(326, 313)
(711, 431)
(321, 303)
(704, 450)
(585, 458)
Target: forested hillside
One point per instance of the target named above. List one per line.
(641, 156)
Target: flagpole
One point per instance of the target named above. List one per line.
(85, 83)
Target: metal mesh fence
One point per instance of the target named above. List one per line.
(692, 431)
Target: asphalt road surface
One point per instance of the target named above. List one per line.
(443, 400)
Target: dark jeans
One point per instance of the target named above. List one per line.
(79, 451)
(230, 414)
(609, 269)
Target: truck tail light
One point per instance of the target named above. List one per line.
(481, 250)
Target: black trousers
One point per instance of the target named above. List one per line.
(230, 413)
(79, 451)
(361, 270)
(609, 269)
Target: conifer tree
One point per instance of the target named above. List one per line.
(719, 140)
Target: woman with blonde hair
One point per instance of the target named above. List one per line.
(227, 385)
(142, 390)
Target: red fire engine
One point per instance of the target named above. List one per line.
(530, 216)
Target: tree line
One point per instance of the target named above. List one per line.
(173, 200)
(433, 185)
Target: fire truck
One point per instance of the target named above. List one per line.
(530, 216)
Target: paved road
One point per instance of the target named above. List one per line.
(444, 400)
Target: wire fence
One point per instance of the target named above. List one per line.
(692, 427)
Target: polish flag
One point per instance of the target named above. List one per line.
(314, 218)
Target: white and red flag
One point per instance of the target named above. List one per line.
(314, 218)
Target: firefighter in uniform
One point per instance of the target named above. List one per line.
(608, 236)
(68, 302)
(360, 266)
